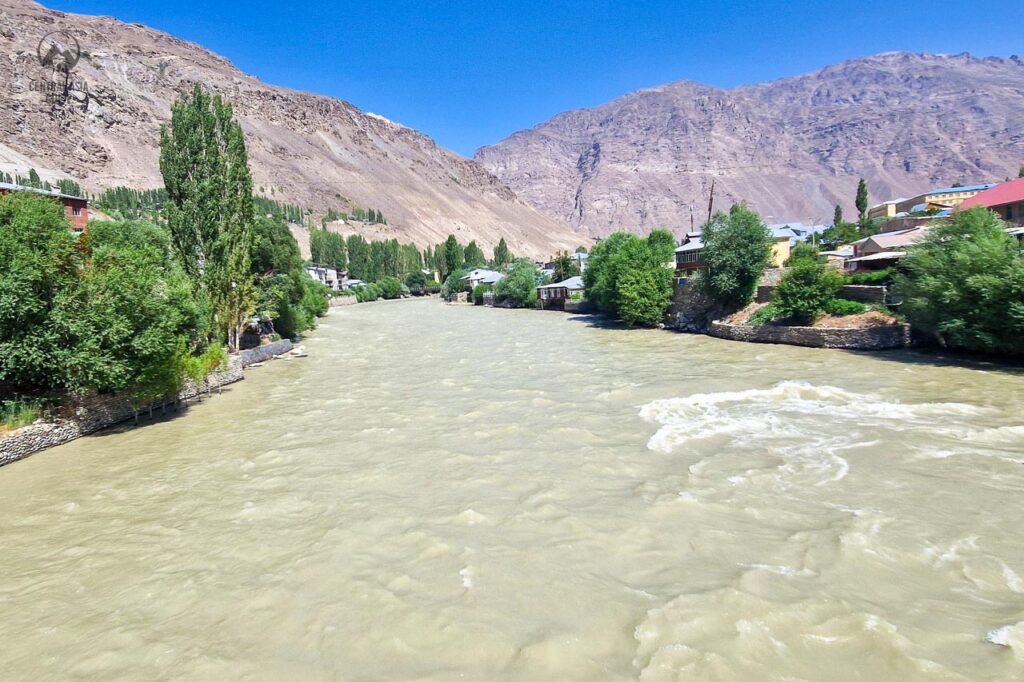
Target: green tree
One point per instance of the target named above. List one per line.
(358, 251)
(963, 285)
(737, 249)
(416, 281)
(519, 286)
(502, 256)
(473, 256)
(1020, 173)
(39, 265)
(805, 290)
(210, 209)
(135, 316)
(626, 277)
(644, 296)
(452, 257)
(33, 178)
(802, 251)
(390, 287)
(837, 216)
(564, 267)
(663, 245)
(581, 249)
(454, 284)
(861, 201)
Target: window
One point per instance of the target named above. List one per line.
(77, 211)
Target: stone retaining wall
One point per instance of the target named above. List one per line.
(342, 300)
(264, 353)
(872, 338)
(87, 414)
(864, 293)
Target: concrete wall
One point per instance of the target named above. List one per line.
(872, 338)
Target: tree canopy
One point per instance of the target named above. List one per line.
(626, 276)
(737, 249)
(963, 285)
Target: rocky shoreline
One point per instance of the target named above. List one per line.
(97, 412)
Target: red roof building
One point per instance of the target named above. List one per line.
(1006, 199)
(76, 208)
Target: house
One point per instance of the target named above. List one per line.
(799, 231)
(555, 295)
(836, 258)
(581, 261)
(933, 200)
(882, 250)
(1006, 199)
(331, 277)
(690, 256)
(75, 208)
(481, 276)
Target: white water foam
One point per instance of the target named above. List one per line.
(806, 424)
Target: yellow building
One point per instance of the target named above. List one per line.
(936, 199)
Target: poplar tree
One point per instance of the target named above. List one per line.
(502, 255)
(451, 256)
(210, 211)
(837, 216)
(862, 199)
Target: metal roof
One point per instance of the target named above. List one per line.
(882, 255)
(571, 283)
(692, 245)
(50, 193)
(1005, 193)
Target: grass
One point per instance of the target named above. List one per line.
(17, 413)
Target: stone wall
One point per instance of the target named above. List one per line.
(691, 310)
(864, 293)
(337, 301)
(871, 338)
(86, 414)
(264, 353)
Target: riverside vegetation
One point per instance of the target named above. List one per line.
(138, 307)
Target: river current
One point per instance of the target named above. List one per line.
(443, 492)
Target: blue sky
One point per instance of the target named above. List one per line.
(471, 73)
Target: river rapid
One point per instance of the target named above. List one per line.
(444, 492)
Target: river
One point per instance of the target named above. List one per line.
(448, 491)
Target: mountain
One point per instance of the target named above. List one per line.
(304, 149)
(792, 148)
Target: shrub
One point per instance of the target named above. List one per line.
(453, 284)
(479, 291)
(763, 316)
(883, 276)
(737, 249)
(841, 306)
(802, 251)
(389, 287)
(805, 290)
(520, 284)
(963, 285)
(416, 281)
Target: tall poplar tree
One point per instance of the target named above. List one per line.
(862, 199)
(210, 211)
(502, 255)
(837, 216)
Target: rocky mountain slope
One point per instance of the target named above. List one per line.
(791, 148)
(309, 150)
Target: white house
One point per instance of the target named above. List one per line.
(481, 276)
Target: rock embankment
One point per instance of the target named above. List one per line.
(93, 413)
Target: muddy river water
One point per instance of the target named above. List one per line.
(443, 492)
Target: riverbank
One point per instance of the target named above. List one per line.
(88, 414)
